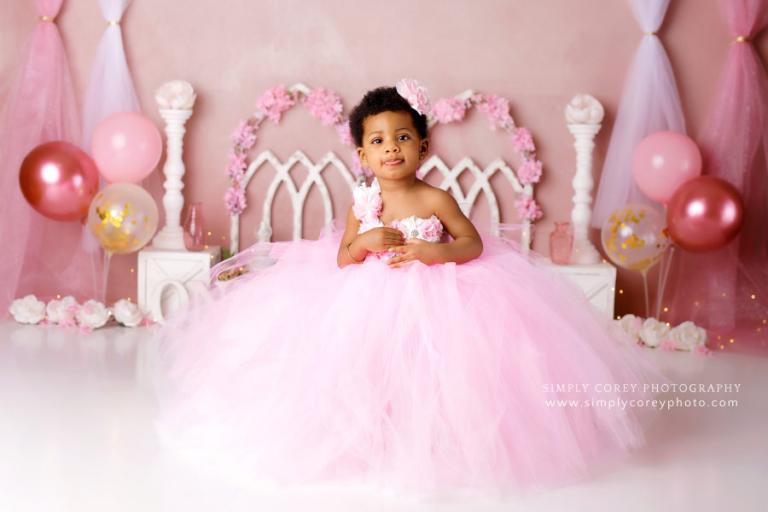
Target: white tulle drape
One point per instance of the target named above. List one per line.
(110, 88)
(649, 103)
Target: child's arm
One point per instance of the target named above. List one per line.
(354, 248)
(466, 244)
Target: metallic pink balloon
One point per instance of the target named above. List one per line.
(704, 214)
(662, 162)
(59, 180)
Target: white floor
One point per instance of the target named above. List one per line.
(76, 435)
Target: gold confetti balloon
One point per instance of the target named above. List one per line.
(123, 218)
(635, 236)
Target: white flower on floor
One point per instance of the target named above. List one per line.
(93, 314)
(28, 310)
(62, 311)
(127, 313)
(653, 332)
(631, 325)
(688, 336)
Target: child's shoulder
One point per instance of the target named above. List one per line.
(433, 195)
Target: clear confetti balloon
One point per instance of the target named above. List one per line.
(123, 217)
(635, 236)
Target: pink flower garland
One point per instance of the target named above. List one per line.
(326, 106)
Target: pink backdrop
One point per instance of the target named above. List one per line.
(538, 54)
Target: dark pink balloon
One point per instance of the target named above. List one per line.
(704, 214)
(59, 180)
(662, 162)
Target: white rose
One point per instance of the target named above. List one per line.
(653, 332)
(688, 336)
(28, 310)
(127, 313)
(93, 314)
(62, 311)
(631, 325)
(176, 95)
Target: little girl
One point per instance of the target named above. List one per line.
(424, 357)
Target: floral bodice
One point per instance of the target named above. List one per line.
(367, 209)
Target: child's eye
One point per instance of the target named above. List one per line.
(404, 137)
(376, 141)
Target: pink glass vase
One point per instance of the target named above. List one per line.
(561, 243)
(194, 238)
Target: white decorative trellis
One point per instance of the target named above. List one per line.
(298, 195)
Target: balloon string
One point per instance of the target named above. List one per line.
(663, 277)
(645, 291)
(105, 279)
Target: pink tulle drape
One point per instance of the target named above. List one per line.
(649, 103)
(727, 290)
(41, 256)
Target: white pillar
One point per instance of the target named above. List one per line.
(584, 115)
(175, 100)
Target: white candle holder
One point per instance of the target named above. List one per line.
(584, 115)
(175, 100)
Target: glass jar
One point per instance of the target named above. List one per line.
(194, 234)
(561, 243)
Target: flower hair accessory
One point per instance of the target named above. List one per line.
(415, 94)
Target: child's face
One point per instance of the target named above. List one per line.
(391, 147)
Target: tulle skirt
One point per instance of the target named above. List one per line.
(419, 378)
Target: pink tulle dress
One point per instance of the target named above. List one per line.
(420, 378)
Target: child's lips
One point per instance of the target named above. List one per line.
(393, 163)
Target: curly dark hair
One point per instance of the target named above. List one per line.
(376, 101)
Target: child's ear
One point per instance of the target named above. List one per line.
(424, 149)
(361, 156)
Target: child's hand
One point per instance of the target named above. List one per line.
(381, 239)
(413, 250)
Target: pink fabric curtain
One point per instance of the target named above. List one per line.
(649, 103)
(727, 290)
(41, 256)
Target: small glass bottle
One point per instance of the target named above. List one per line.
(194, 239)
(561, 243)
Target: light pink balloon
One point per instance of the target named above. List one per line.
(126, 147)
(662, 162)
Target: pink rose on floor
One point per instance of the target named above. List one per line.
(497, 110)
(522, 140)
(236, 166)
(244, 135)
(325, 105)
(367, 206)
(415, 94)
(274, 102)
(342, 129)
(449, 110)
(529, 172)
(235, 200)
(528, 208)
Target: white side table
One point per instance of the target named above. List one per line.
(167, 279)
(597, 281)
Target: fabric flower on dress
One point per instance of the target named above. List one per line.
(324, 105)
(415, 94)
(28, 310)
(367, 206)
(449, 110)
(274, 102)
